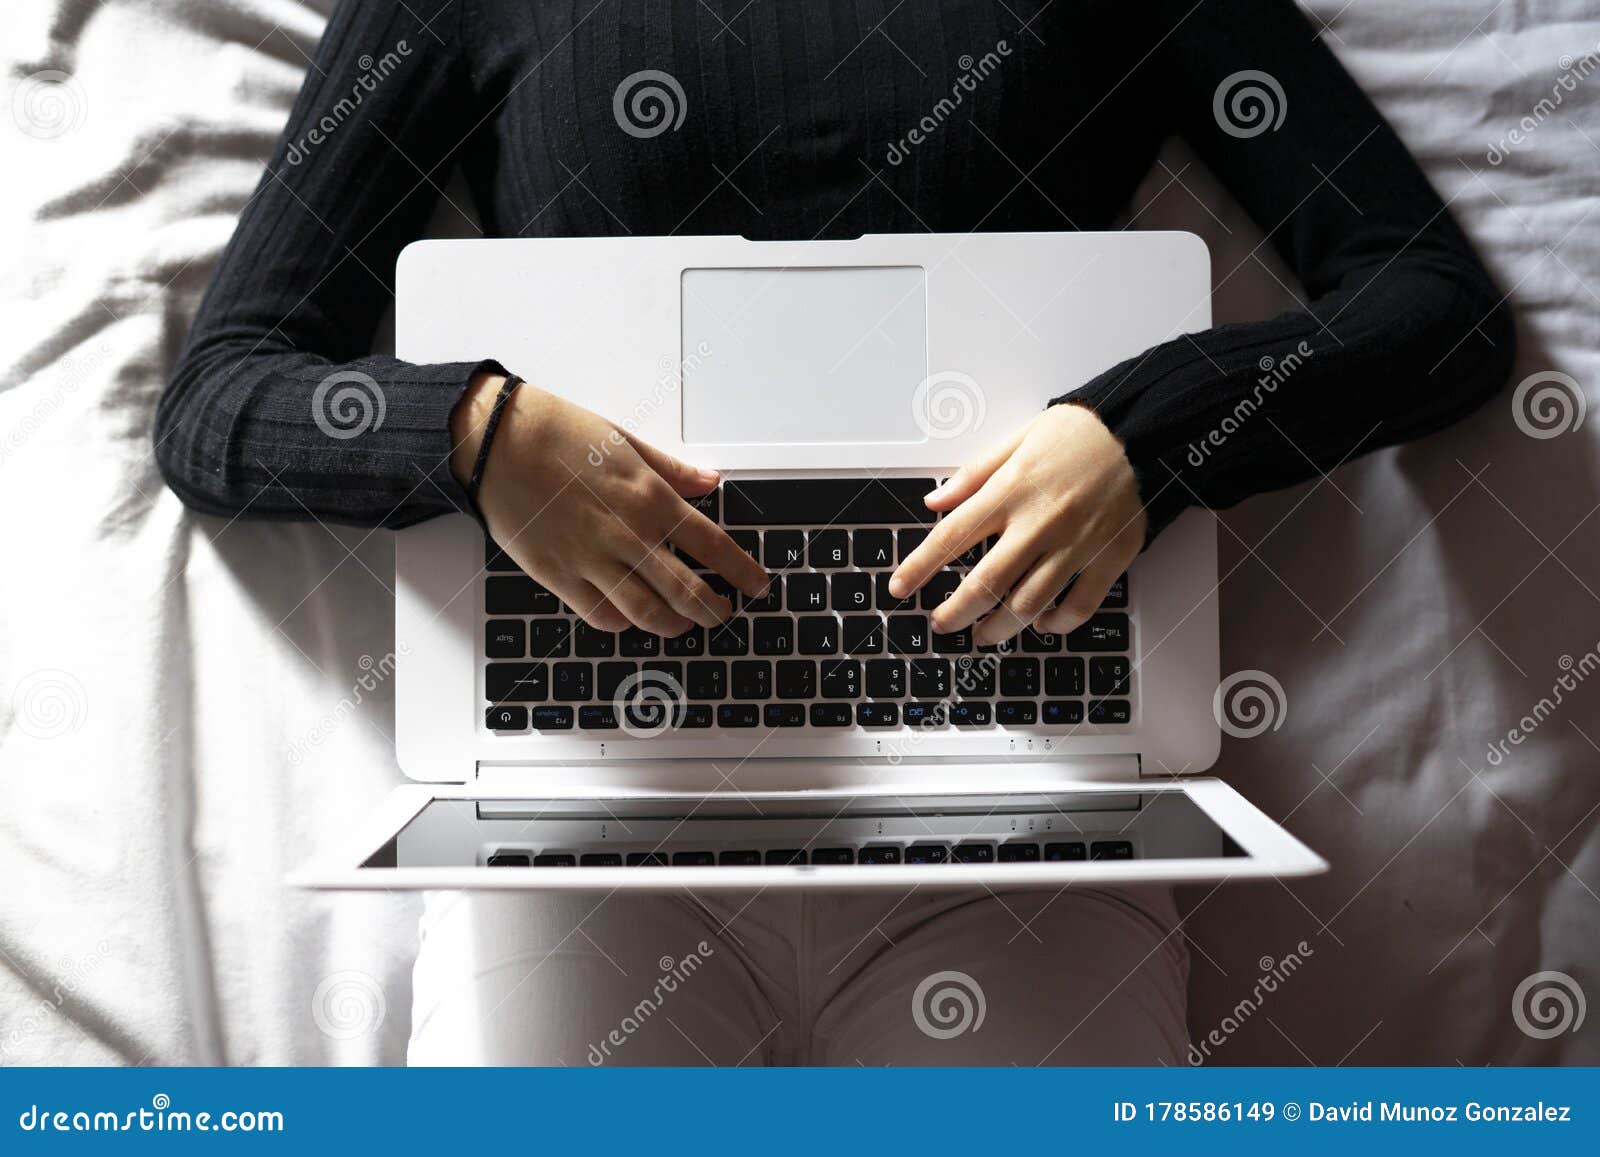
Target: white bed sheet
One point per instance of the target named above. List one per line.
(188, 706)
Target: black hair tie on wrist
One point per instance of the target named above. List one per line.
(475, 483)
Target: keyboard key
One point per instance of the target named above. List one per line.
(600, 860)
(797, 679)
(886, 601)
(786, 856)
(609, 678)
(708, 505)
(908, 540)
(863, 635)
(738, 859)
(783, 549)
(827, 857)
(636, 644)
(1016, 712)
(518, 595)
(1019, 853)
(647, 859)
(589, 643)
(927, 854)
(974, 678)
(774, 635)
(974, 854)
(886, 678)
(509, 859)
(496, 559)
(696, 715)
(505, 639)
(1057, 853)
(1040, 642)
(693, 859)
(1110, 712)
(872, 548)
(850, 592)
(737, 715)
(1063, 712)
(748, 541)
(752, 679)
(1063, 676)
(597, 717)
(506, 719)
(908, 634)
(516, 682)
(829, 549)
(771, 601)
(555, 860)
(572, 683)
(1107, 631)
(937, 589)
(878, 714)
(1117, 597)
(930, 678)
(730, 638)
(687, 645)
(550, 638)
(928, 715)
(1111, 850)
(1109, 675)
(806, 592)
(971, 713)
(552, 718)
(819, 635)
(841, 679)
(784, 715)
(1019, 677)
(830, 715)
(955, 643)
(880, 854)
(825, 501)
(707, 679)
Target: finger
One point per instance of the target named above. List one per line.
(1028, 600)
(684, 591)
(645, 609)
(970, 522)
(967, 481)
(689, 481)
(586, 600)
(706, 542)
(1083, 599)
(987, 583)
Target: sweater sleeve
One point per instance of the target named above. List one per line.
(273, 410)
(1402, 333)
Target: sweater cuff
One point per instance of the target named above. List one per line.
(1161, 494)
(433, 410)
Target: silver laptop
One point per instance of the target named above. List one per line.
(823, 737)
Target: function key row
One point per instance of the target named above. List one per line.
(878, 853)
(698, 716)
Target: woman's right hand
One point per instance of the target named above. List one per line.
(593, 513)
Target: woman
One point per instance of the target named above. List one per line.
(795, 124)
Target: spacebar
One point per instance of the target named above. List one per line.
(825, 501)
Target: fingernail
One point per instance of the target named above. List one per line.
(935, 492)
(897, 586)
(707, 475)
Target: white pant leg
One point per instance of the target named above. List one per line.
(1079, 976)
(524, 978)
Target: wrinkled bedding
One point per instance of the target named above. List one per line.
(189, 706)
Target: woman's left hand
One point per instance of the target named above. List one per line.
(1063, 499)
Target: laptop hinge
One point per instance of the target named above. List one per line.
(784, 774)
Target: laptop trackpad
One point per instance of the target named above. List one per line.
(796, 356)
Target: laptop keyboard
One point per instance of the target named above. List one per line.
(826, 648)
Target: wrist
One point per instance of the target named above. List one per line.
(469, 420)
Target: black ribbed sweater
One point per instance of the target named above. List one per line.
(797, 124)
